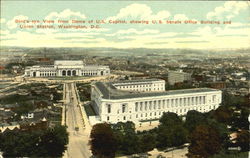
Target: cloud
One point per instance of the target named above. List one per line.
(86, 40)
(141, 12)
(74, 35)
(204, 31)
(228, 31)
(134, 31)
(4, 32)
(185, 35)
(181, 17)
(238, 25)
(154, 43)
(94, 31)
(2, 20)
(67, 13)
(12, 23)
(46, 31)
(143, 37)
(191, 41)
(228, 10)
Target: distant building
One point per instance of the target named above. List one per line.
(217, 85)
(5, 127)
(27, 116)
(176, 77)
(152, 85)
(66, 68)
(146, 100)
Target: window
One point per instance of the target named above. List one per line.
(150, 105)
(154, 104)
(108, 118)
(136, 106)
(123, 108)
(214, 98)
(124, 117)
(109, 108)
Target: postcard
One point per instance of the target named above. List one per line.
(106, 79)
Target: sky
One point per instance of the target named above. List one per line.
(233, 35)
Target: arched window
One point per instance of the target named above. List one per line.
(74, 72)
(69, 73)
(64, 73)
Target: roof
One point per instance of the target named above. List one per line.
(110, 92)
(68, 62)
(137, 81)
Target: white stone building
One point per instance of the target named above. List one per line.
(113, 103)
(66, 68)
(152, 85)
(178, 76)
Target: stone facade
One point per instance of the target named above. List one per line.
(66, 68)
(113, 104)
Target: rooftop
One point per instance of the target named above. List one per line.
(68, 62)
(110, 92)
(136, 81)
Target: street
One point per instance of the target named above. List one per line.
(78, 138)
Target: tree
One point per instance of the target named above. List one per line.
(171, 131)
(205, 142)
(130, 144)
(243, 139)
(178, 135)
(223, 114)
(193, 119)
(127, 139)
(240, 120)
(222, 131)
(232, 100)
(53, 142)
(170, 119)
(48, 143)
(147, 142)
(169, 136)
(102, 141)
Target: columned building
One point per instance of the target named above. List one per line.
(66, 68)
(113, 103)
